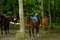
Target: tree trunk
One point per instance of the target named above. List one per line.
(1, 7)
(14, 8)
(42, 11)
(50, 14)
(38, 9)
(27, 8)
(22, 27)
(58, 16)
(54, 10)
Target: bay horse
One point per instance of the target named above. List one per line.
(31, 25)
(5, 21)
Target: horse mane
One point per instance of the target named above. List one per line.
(28, 19)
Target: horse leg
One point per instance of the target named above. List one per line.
(33, 32)
(30, 33)
(8, 28)
(29, 30)
(1, 30)
(5, 29)
(37, 30)
(46, 27)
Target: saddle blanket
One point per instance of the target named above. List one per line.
(34, 19)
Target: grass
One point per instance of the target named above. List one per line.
(14, 27)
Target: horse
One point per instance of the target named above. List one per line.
(45, 23)
(5, 21)
(31, 25)
(14, 19)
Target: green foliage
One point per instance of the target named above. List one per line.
(32, 7)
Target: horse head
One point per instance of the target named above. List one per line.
(14, 19)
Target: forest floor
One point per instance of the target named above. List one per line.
(48, 36)
(10, 36)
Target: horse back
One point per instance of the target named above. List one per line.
(45, 21)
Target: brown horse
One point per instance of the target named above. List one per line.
(31, 25)
(45, 23)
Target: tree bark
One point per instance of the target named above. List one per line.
(42, 11)
(38, 9)
(14, 8)
(1, 7)
(58, 16)
(50, 15)
(27, 8)
(21, 14)
(54, 9)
